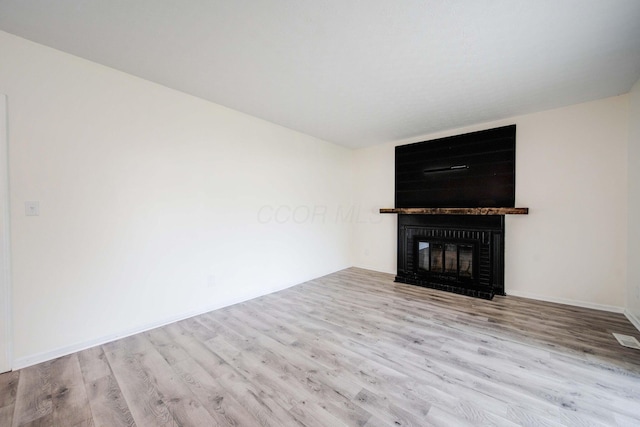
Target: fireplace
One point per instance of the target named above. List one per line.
(451, 196)
(462, 254)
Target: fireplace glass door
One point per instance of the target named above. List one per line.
(445, 258)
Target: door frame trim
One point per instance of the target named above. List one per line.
(5, 240)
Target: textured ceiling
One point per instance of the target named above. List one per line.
(355, 72)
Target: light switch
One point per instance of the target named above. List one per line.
(32, 208)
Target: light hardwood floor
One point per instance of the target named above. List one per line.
(352, 348)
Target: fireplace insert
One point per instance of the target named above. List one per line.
(455, 253)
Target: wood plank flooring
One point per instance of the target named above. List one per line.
(349, 349)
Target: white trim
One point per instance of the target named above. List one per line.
(565, 301)
(34, 359)
(633, 319)
(5, 248)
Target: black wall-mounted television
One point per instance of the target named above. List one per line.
(464, 171)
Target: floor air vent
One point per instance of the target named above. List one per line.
(627, 341)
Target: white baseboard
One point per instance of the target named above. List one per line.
(565, 301)
(34, 359)
(633, 319)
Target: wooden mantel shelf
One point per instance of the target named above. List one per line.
(455, 211)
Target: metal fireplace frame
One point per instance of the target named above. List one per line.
(486, 233)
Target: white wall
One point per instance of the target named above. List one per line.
(153, 204)
(633, 279)
(572, 174)
(152, 201)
